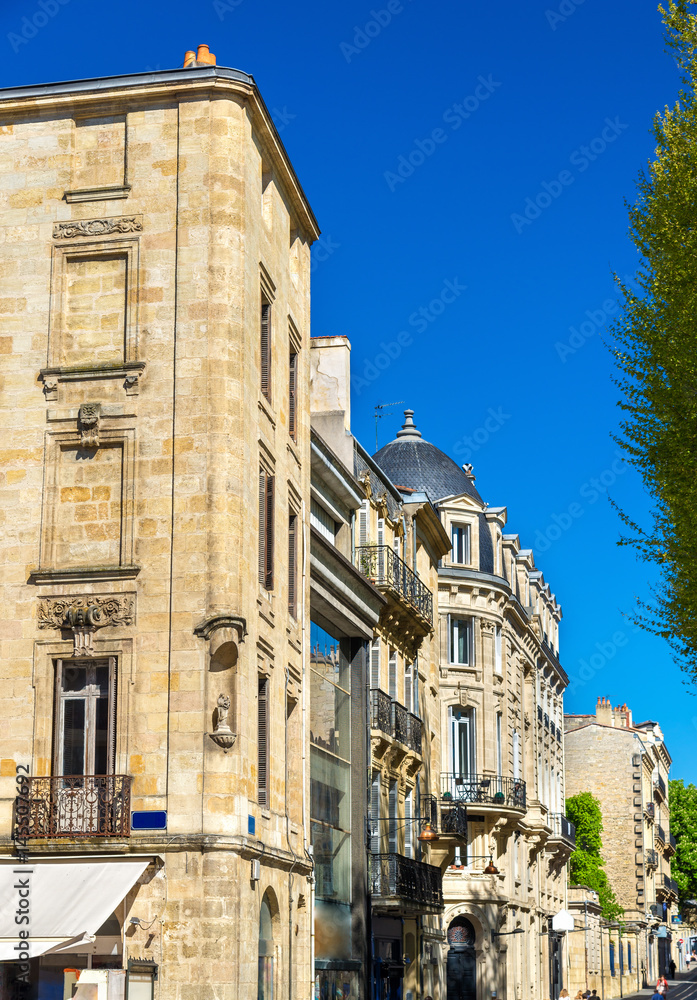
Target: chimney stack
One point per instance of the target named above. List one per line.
(603, 712)
(202, 57)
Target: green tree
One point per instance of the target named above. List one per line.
(683, 826)
(654, 343)
(586, 863)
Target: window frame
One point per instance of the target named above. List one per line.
(293, 523)
(265, 348)
(466, 543)
(293, 359)
(267, 482)
(469, 662)
(90, 697)
(263, 756)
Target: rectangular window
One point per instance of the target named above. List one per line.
(85, 736)
(408, 825)
(499, 745)
(266, 528)
(293, 564)
(460, 536)
(265, 343)
(462, 751)
(263, 742)
(392, 818)
(498, 658)
(364, 522)
(375, 663)
(375, 814)
(461, 646)
(392, 675)
(322, 520)
(293, 395)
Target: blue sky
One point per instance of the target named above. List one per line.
(421, 136)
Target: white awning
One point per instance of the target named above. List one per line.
(65, 902)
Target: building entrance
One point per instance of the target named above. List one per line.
(461, 962)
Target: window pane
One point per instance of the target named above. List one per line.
(102, 679)
(74, 678)
(73, 736)
(101, 736)
(328, 657)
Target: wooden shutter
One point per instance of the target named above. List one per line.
(111, 755)
(408, 826)
(269, 531)
(262, 527)
(263, 742)
(266, 349)
(408, 693)
(392, 822)
(292, 394)
(292, 564)
(363, 522)
(375, 663)
(392, 676)
(375, 815)
(415, 686)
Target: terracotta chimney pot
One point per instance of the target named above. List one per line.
(204, 55)
(189, 58)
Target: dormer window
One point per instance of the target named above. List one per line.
(460, 537)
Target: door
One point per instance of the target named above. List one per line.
(462, 782)
(461, 973)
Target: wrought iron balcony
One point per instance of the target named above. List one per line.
(659, 787)
(400, 723)
(380, 711)
(563, 828)
(666, 885)
(650, 810)
(398, 881)
(539, 713)
(415, 733)
(546, 721)
(388, 571)
(453, 820)
(651, 858)
(85, 805)
(484, 789)
(660, 834)
(672, 844)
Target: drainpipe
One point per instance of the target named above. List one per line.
(602, 960)
(585, 935)
(306, 832)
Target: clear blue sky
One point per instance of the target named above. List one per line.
(516, 93)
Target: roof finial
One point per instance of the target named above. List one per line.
(409, 429)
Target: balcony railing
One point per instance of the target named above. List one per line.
(672, 843)
(659, 786)
(393, 719)
(385, 568)
(660, 834)
(508, 793)
(563, 828)
(651, 858)
(539, 713)
(74, 806)
(546, 721)
(392, 876)
(453, 820)
(668, 884)
(650, 810)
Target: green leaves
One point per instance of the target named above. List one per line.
(654, 343)
(683, 826)
(586, 862)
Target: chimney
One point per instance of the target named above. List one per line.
(330, 393)
(202, 57)
(603, 712)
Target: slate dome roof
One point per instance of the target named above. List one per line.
(416, 464)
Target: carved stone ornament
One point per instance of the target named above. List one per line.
(83, 616)
(89, 416)
(221, 725)
(96, 227)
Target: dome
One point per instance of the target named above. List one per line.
(411, 462)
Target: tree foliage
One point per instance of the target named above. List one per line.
(586, 865)
(683, 826)
(654, 343)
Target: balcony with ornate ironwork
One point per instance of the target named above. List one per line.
(660, 835)
(659, 789)
(563, 830)
(407, 595)
(671, 845)
(403, 886)
(74, 806)
(650, 810)
(651, 859)
(491, 793)
(380, 711)
(666, 887)
(394, 720)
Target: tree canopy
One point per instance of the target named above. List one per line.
(683, 826)
(654, 343)
(586, 862)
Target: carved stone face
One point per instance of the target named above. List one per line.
(223, 702)
(89, 414)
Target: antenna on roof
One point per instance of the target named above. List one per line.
(383, 406)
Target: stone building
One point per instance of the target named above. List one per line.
(625, 765)
(154, 292)
(500, 693)
(602, 956)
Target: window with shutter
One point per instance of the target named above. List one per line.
(408, 826)
(392, 675)
(262, 527)
(266, 528)
(263, 742)
(265, 338)
(392, 818)
(85, 735)
(292, 394)
(408, 689)
(375, 663)
(363, 522)
(375, 814)
(292, 564)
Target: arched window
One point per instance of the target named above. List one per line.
(266, 951)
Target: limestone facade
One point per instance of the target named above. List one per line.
(154, 299)
(626, 766)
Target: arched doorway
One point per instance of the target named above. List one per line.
(461, 963)
(266, 950)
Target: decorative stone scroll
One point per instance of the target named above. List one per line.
(83, 616)
(96, 227)
(88, 419)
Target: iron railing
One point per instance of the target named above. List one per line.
(85, 805)
(428, 811)
(539, 713)
(415, 733)
(659, 786)
(380, 711)
(392, 876)
(669, 884)
(651, 858)
(385, 568)
(672, 843)
(400, 723)
(453, 820)
(509, 793)
(563, 827)
(660, 834)
(650, 810)
(546, 721)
